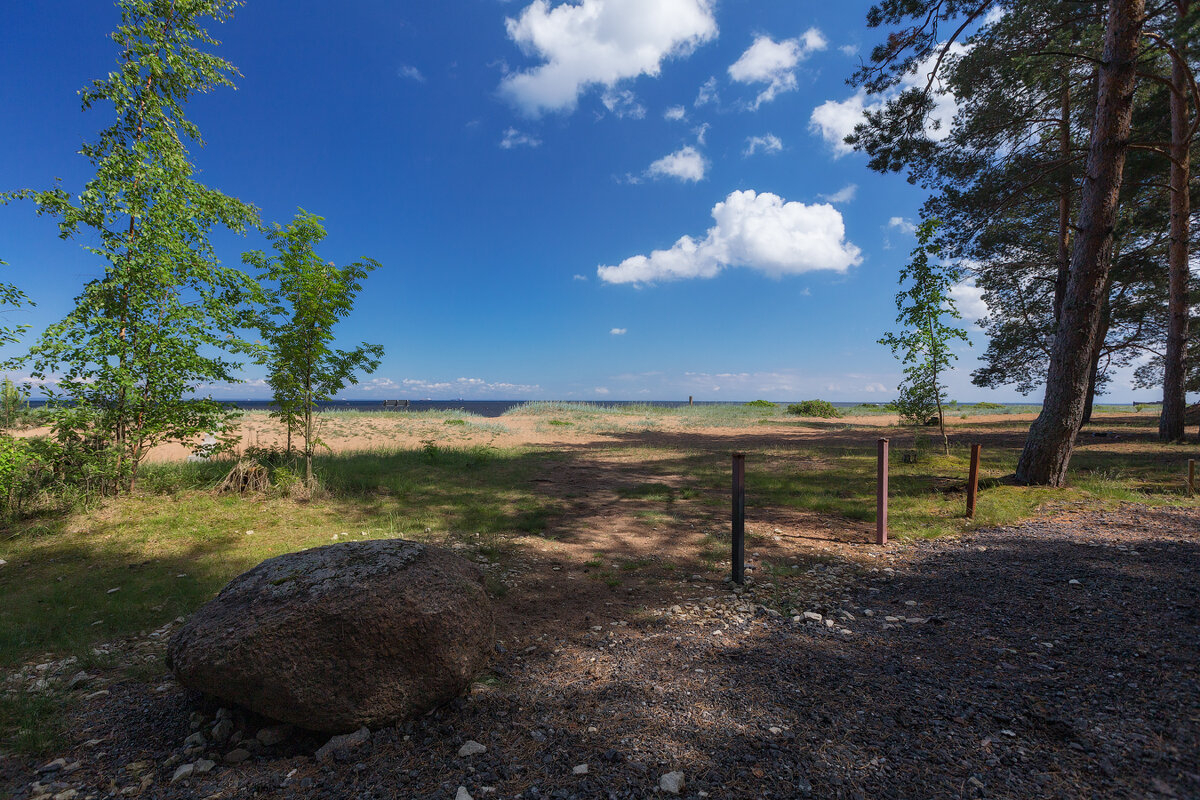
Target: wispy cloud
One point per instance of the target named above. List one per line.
(515, 138)
(411, 73)
(774, 63)
(619, 331)
(769, 143)
(843, 195)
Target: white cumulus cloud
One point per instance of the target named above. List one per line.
(675, 113)
(968, 299)
(757, 231)
(774, 63)
(599, 43)
(686, 164)
(767, 144)
(619, 331)
(514, 138)
(834, 120)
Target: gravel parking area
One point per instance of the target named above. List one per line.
(1057, 658)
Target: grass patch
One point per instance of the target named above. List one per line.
(31, 723)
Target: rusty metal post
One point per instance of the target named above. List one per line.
(1191, 476)
(973, 481)
(881, 495)
(739, 518)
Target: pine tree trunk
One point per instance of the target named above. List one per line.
(1052, 437)
(1170, 424)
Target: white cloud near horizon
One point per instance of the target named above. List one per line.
(599, 43)
(834, 120)
(770, 143)
(515, 138)
(685, 164)
(761, 232)
(842, 195)
(774, 63)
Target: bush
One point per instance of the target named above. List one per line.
(760, 404)
(988, 406)
(814, 408)
(26, 470)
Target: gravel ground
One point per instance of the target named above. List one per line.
(1057, 658)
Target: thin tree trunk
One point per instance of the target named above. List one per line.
(1065, 189)
(1101, 335)
(1051, 438)
(1170, 424)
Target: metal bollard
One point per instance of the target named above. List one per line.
(881, 495)
(973, 481)
(739, 518)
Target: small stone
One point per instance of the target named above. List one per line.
(66, 794)
(1074, 582)
(78, 679)
(195, 740)
(237, 756)
(579, 769)
(203, 765)
(471, 748)
(910, 602)
(812, 615)
(269, 737)
(593, 729)
(182, 772)
(829, 623)
(463, 794)
(672, 782)
(53, 766)
(342, 745)
(113, 590)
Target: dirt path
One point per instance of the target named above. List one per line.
(1057, 658)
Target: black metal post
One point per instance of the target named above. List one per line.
(739, 518)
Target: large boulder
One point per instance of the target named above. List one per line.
(338, 637)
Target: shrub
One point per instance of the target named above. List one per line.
(26, 469)
(760, 404)
(814, 408)
(989, 406)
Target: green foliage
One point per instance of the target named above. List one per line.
(760, 404)
(11, 296)
(27, 469)
(923, 345)
(814, 408)
(155, 325)
(306, 298)
(988, 406)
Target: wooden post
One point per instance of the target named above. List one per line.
(739, 518)
(1191, 476)
(973, 481)
(881, 492)
(689, 399)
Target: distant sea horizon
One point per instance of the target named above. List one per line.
(496, 408)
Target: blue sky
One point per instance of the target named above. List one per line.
(527, 173)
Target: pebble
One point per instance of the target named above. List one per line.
(471, 748)
(182, 772)
(203, 765)
(579, 769)
(222, 730)
(195, 740)
(66, 794)
(814, 616)
(463, 794)
(672, 782)
(1074, 582)
(53, 766)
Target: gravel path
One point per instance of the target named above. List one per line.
(1056, 658)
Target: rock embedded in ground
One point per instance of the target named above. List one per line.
(273, 735)
(364, 633)
(471, 748)
(339, 747)
(672, 782)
